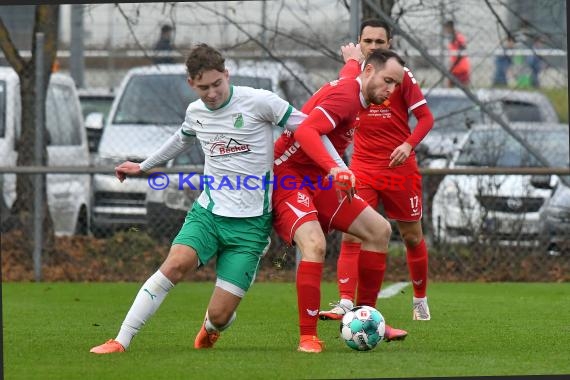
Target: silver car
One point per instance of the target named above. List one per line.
(454, 115)
(68, 195)
(501, 209)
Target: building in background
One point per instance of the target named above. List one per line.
(119, 36)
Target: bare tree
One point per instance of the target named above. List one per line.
(369, 12)
(46, 22)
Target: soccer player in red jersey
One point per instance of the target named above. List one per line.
(384, 164)
(306, 205)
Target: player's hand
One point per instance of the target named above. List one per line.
(127, 168)
(344, 181)
(352, 51)
(400, 154)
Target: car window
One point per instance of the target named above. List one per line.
(295, 94)
(451, 113)
(62, 116)
(498, 148)
(255, 82)
(158, 99)
(52, 122)
(522, 111)
(2, 108)
(90, 104)
(162, 99)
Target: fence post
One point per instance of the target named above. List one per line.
(77, 63)
(38, 155)
(354, 20)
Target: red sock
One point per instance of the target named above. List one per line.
(347, 269)
(417, 258)
(309, 295)
(371, 268)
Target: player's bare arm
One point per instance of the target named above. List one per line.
(127, 168)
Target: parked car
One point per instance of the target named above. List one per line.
(149, 106)
(95, 106)
(68, 195)
(499, 208)
(454, 114)
(554, 218)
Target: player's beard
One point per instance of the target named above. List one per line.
(375, 99)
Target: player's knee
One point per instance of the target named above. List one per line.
(179, 261)
(378, 233)
(384, 231)
(313, 246)
(411, 239)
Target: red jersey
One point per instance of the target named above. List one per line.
(458, 64)
(382, 128)
(340, 101)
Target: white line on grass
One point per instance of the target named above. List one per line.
(392, 290)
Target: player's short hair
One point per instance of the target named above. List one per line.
(379, 57)
(376, 23)
(204, 58)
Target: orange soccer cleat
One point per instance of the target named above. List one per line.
(311, 344)
(204, 339)
(391, 334)
(108, 347)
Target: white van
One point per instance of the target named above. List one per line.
(69, 195)
(149, 107)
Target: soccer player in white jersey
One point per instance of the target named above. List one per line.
(230, 222)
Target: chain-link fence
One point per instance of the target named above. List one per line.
(479, 225)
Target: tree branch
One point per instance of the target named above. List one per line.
(10, 52)
(257, 42)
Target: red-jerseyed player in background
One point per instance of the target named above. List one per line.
(384, 164)
(305, 206)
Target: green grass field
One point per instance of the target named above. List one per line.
(476, 330)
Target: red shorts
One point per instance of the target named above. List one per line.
(399, 189)
(294, 205)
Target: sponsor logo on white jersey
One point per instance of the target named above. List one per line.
(220, 148)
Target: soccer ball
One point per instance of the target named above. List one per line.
(362, 328)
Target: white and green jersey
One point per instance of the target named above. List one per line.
(237, 139)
